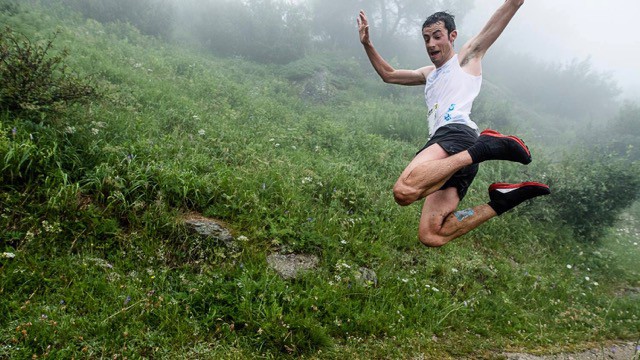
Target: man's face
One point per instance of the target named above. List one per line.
(439, 43)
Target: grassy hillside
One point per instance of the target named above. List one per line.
(97, 262)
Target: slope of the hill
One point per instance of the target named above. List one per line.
(295, 159)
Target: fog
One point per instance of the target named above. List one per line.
(281, 31)
(559, 31)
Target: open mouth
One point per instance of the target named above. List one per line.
(434, 53)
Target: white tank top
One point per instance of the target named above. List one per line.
(449, 93)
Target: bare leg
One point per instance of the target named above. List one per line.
(440, 223)
(426, 174)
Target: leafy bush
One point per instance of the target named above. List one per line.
(590, 192)
(33, 80)
(625, 131)
(41, 157)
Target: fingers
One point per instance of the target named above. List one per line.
(362, 18)
(363, 27)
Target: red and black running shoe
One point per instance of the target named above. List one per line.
(505, 197)
(491, 145)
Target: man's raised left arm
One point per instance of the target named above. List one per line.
(474, 50)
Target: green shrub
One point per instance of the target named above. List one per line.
(33, 80)
(625, 131)
(591, 190)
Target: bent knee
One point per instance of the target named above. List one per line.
(431, 239)
(404, 195)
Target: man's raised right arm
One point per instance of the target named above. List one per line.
(382, 67)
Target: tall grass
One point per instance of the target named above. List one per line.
(103, 266)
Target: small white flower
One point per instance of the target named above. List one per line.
(569, 266)
(343, 242)
(435, 289)
(95, 131)
(405, 280)
(587, 278)
(70, 130)
(242, 238)
(201, 132)
(454, 270)
(595, 283)
(8, 255)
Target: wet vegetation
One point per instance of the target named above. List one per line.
(112, 128)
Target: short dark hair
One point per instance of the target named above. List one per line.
(443, 16)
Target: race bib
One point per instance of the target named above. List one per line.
(431, 116)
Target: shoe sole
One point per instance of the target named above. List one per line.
(507, 186)
(505, 196)
(489, 132)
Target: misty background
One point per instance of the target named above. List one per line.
(281, 31)
(562, 71)
(560, 31)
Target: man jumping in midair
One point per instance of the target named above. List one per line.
(443, 169)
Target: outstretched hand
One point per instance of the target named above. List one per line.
(363, 27)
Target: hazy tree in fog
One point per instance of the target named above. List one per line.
(574, 90)
(395, 24)
(333, 22)
(624, 131)
(397, 18)
(151, 17)
(269, 31)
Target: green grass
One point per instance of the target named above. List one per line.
(103, 267)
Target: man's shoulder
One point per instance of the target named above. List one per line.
(426, 70)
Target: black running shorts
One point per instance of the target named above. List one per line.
(455, 138)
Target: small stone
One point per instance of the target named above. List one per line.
(368, 276)
(289, 266)
(211, 229)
